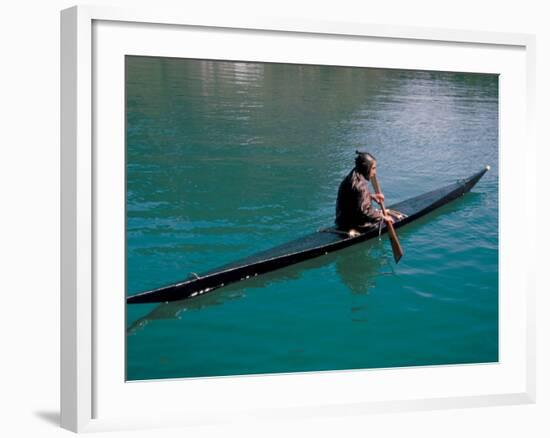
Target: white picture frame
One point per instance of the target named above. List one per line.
(91, 49)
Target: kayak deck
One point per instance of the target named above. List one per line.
(306, 247)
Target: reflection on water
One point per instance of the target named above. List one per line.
(175, 309)
(357, 267)
(358, 270)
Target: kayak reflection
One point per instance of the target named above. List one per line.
(360, 267)
(356, 267)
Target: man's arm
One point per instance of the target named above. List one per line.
(366, 213)
(379, 198)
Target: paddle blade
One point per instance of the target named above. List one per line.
(395, 245)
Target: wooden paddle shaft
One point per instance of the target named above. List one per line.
(376, 186)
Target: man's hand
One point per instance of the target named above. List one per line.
(388, 218)
(378, 197)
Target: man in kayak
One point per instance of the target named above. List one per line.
(354, 207)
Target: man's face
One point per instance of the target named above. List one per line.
(372, 170)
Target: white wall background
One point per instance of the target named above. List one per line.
(29, 231)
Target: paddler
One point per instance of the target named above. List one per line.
(354, 206)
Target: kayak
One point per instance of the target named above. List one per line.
(313, 245)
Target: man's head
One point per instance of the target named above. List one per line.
(365, 164)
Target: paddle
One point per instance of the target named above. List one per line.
(395, 245)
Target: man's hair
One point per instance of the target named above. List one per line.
(364, 161)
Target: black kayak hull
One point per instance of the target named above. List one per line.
(305, 248)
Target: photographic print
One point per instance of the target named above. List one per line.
(285, 218)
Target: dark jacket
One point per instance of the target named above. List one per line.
(354, 203)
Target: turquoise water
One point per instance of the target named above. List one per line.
(225, 159)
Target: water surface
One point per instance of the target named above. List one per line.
(225, 159)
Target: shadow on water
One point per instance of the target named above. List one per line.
(358, 267)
